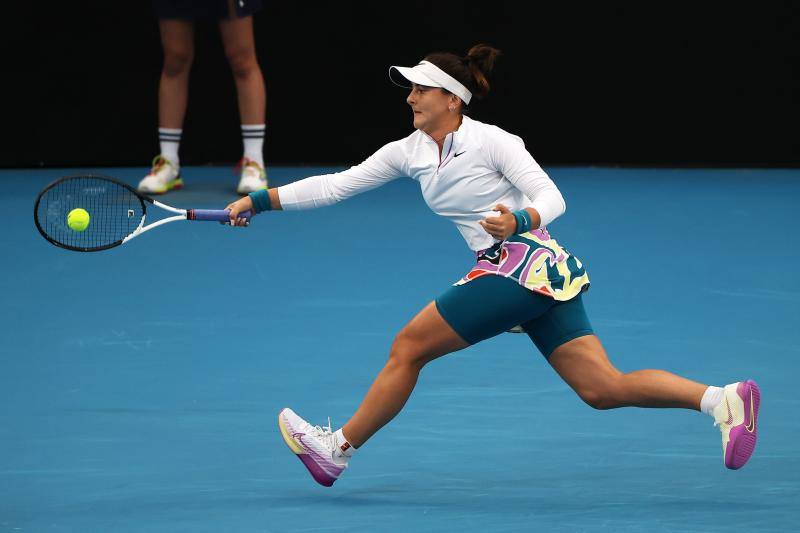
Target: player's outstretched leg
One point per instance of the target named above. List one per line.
(583, 364)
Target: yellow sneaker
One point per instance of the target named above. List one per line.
(163, 177)
(253, 177)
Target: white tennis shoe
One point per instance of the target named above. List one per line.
(253, 177)
(163, 177)
(313, 445)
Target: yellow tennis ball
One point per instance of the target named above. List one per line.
(78, 219)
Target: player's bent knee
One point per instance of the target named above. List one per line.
(405, 351)
(595, 400)
(600, 397)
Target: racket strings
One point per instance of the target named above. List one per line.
(115, 212)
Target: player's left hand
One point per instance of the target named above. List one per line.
(500, 227)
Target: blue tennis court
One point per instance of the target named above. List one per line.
(141, 385)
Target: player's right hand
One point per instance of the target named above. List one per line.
(239, 206)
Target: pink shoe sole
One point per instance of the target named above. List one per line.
(743, 437)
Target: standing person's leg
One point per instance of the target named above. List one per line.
(240, 49)
(177, 41)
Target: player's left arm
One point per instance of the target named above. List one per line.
(508, 155)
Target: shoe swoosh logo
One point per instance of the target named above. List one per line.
(299, 438)
(306, 447)
(751, 427)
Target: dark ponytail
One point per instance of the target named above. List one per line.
(480, 60)
(471, 70)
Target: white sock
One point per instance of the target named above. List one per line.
(253, 139)
(170, 141)
(344, 450)
(711, 399)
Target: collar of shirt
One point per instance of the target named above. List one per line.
(453, 141)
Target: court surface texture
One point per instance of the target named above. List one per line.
(141, 385)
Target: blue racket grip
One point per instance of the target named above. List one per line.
(214, 215)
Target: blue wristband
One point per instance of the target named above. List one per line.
(523, 221)
(261, 201)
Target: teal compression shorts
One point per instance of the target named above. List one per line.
(490, 305)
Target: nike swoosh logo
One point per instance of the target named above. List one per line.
(458, 154)
(751, 427)
(309, 450)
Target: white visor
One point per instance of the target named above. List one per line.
(428, 74)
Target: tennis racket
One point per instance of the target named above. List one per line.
(113, 213)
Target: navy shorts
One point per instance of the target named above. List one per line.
(204, 9)
(490, 305)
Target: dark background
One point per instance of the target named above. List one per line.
(667, 84)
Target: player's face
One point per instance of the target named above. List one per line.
(429, 105)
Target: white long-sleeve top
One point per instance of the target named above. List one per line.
(480, 166)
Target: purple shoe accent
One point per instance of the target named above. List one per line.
(317, 472)
(312, 460)
(742, 439)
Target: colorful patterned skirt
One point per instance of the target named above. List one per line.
(535, 261)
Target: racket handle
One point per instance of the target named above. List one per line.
(214, 215)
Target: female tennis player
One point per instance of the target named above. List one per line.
(485, 181)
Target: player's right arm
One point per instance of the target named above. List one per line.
(382, 167)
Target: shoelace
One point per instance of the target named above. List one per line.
(325, 434)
